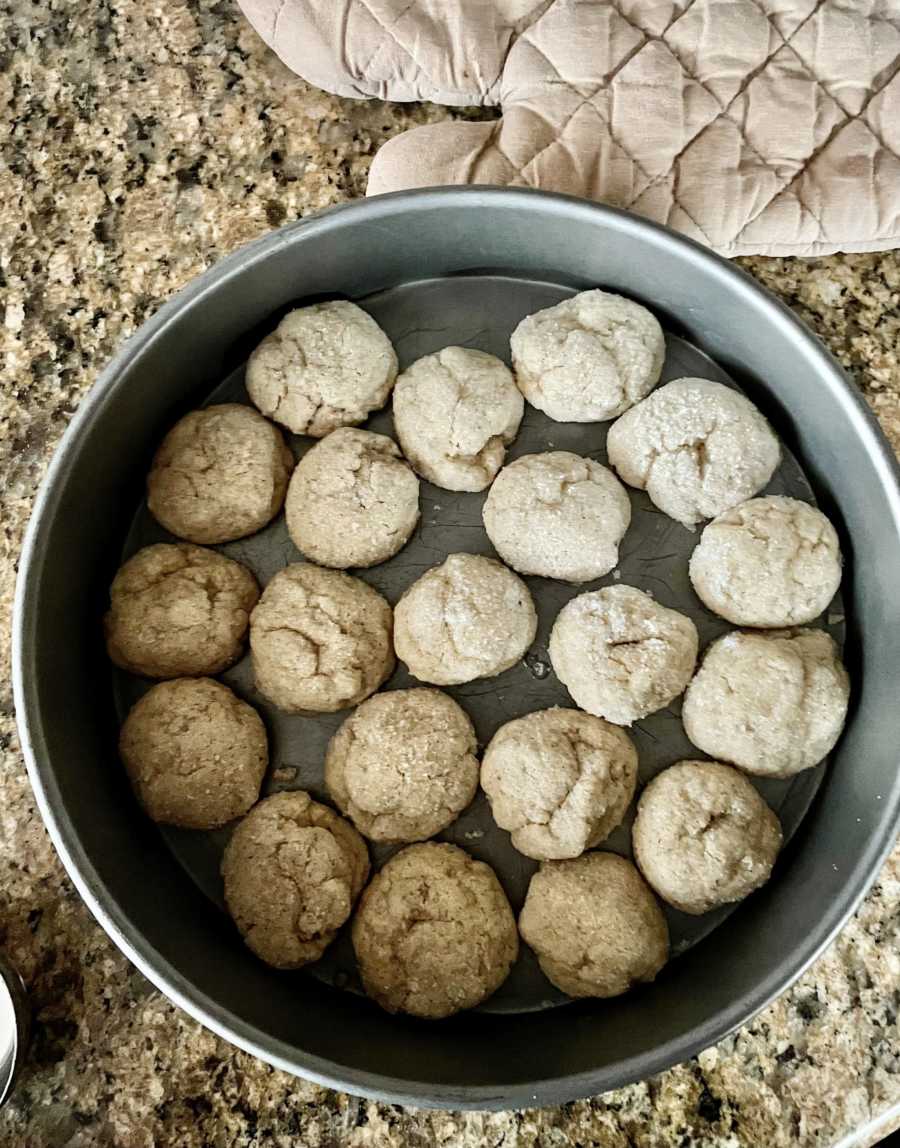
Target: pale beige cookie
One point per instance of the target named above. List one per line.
(352, 501)
(620, 654)
(588, 358)
(178, 611)
(220, 474)
(324, 366)
(697, 447)
(557, 515)
(594, 924)
(321, 640)
(703, 836)
(196, 754)
(773, 704)
(434, 932)
(468, 618)
(769, 562)
(292, 872)
(559, 780)
(403, 765)
(455, 413)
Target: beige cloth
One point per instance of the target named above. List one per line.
(766, 126)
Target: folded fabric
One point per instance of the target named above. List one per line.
(767, 126)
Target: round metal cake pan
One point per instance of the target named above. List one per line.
(123, 866)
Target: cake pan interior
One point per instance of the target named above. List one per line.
(120, 861)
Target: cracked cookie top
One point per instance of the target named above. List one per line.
(402, 767)
(292, 872)
(434, 932)
(324, 366)
(595, 925)
(703, 836)
(353, 500)
(772, 704)
(455, 413)
(468, 618)
(588, 358)
(697, 447)
(620, 654)
(220, 474)
(321, 639)
(178, 611)
(769, 562)
(559, 780)
(557, 515)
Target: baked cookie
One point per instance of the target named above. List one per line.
(455, 413)
(703, 836)
(773, 704)
(352, 501)
(697, 447)
(196, 754)
(324, 366)
(178, 611)
(220, 474)
(594, 924)
(468, 618)
(769, 562)
(588, 358)
(559, 780)
(557, 515)
(434, 932)
(292, 872)
(620, 654)
(321, 640)
(403, 765)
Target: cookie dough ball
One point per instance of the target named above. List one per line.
(697, 447)
(588, 358)
(557, 515)
(403, 765)
(321, 640)
(769, 562)
(324, 366)
(352, 501)
(434, 932)
(220, 474)
(773, 704)
(703, 836)
(455, 412)
(594, 924)
(178, 611)
(468, 618)
(620, 654)
(292, 872)
(559, 780)
(196, 754)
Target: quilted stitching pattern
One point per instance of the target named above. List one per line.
(752, 125)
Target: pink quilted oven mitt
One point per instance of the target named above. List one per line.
(752, 125)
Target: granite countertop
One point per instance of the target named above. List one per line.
(141, 142)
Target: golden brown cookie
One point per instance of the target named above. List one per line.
(402, 767)
(292, 872)
(321, 640)
(178, 611)
(559, 780)
(220, 474)
(196, 754)
(434, 932)
(594, 924)
(703, 836)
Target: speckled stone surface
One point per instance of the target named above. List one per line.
(140, 142)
